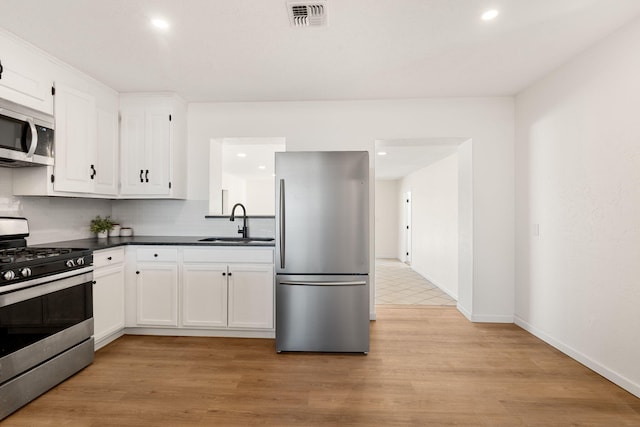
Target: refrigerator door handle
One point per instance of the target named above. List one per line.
(324, 283)
(282, 222)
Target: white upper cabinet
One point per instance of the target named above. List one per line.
(86, 150)
(145, 136)
(86, 144)
(107, 162)
(76, 140)
(26, 76)
(152, 127)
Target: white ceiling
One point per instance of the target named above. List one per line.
(245, 50)
(404, 156)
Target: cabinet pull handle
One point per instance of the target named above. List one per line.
(146, 175)
(155, 255)
(229, 273)
(1, 69)
(94, 282)
(141, 173)
(224, 274)
(93, 172)
(109, 258)
(137, 272)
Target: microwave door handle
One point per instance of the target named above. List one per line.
(34, 137)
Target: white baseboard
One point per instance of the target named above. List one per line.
(464, 312)
(442, 288)
(184, 332)
(108, 339)
(492, 318)
(612, 376)
(484, 318)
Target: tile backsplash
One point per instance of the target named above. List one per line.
(182, 218)
(55, 218)
(64, 218)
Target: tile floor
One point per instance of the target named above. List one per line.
(397, 283)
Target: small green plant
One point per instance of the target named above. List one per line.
(100, 225)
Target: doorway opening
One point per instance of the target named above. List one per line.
(419, 187)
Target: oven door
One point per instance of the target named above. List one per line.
(40, 321)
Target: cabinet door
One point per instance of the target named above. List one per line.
(158, 135)
(204, 295)
(132, 131)
(145, 136)
(108, 301)
(24, 77)
(76, 139)
(106, 174)
(157, 294)
(251, 296)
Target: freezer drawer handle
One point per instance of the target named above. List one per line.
(325, 283)
(282, 240)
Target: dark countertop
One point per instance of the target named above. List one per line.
(111, 242)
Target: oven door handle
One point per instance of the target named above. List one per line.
(45, 285)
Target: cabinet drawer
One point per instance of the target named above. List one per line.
(108, 257)
(229, 255)
(155, 253)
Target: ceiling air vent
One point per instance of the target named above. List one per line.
(305, 14)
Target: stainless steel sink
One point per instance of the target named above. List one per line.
(237, 239)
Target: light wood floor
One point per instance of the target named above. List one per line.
(428, 366)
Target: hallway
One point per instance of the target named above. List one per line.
(397, 283)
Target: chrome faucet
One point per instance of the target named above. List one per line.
(241, 230)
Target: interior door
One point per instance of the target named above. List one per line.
(407, 229)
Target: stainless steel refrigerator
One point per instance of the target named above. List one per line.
(322, 251)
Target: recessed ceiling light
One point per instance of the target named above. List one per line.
(241, 155)
(490, 14)
(382, 153)
(262, 167)
(159, 23)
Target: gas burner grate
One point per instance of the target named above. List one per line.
(28, 254)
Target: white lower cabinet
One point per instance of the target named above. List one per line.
(108, 295)
(201, 290)
(157, 287)
(250, 296)
(238, 295)
(204, 295)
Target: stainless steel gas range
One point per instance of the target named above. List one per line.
(46, 315)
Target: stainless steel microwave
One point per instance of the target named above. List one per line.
(26, 136)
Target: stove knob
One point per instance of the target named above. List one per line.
(80, 261)
(8, 275)
(25, 272)
(70, 263)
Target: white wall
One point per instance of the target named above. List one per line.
(237, 188)
(434, 222)
(578, 176)
(355, 125)
(387, 220)
(262, 193)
